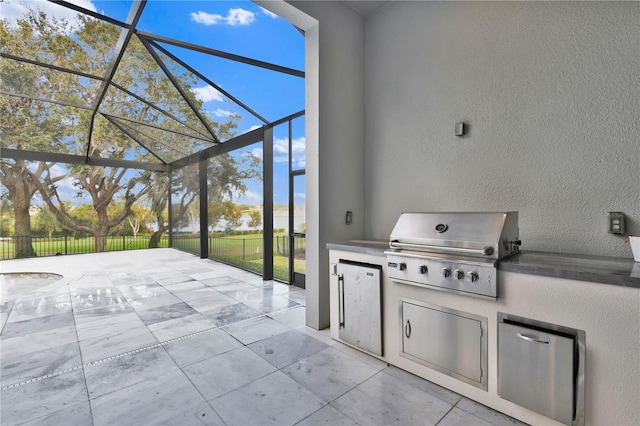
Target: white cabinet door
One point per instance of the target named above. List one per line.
(360, 305)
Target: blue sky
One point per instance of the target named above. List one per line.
(238, 27)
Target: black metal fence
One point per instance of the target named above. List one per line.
(59, 245)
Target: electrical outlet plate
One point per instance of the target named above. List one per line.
(616, 223)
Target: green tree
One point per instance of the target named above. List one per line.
(33, 123)
(46, 222)
(256, 218)
(172, 133)
(232, 215)
(7, 221)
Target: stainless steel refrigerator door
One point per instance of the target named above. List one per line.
(536, 370)
(360, 305)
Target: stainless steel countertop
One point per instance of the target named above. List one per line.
(597, 269)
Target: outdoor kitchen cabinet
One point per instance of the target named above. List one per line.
(360, 305)
(446, 340)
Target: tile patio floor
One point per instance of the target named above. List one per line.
(162, 337)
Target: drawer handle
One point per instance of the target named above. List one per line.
(407, 329)
(532, 339)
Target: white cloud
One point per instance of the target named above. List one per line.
(236, 16)
(207, 94)
(14, 10)
(281, 150)
(252, 128)
(222, 113)
(268, 13)
(257, 152)
(246, 198)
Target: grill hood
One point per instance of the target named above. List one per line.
(488, 235)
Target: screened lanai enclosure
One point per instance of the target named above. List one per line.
(142, 124)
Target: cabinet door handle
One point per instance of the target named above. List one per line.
(407, 329)
(532, 339)
(341, 300)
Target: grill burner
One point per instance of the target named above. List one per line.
(456, 252)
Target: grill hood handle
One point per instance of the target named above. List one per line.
(485, 251)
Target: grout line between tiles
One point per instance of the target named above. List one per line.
(146, 348)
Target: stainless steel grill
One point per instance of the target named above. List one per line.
(456, 252)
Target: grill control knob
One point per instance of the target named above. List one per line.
(422, 269)
(446, 272)
(473, 277)
(458, 274)
(402, 266)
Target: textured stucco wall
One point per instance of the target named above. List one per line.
(550, 93)
(335, 140)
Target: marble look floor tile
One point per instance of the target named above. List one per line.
(272, 400)
(102, 311)
(184, 287)
(79, 414)
(201, 414)
(328, 416)
(383, 399)
(114, 374)
(286, 348)
(116, 343)
(201, 346)
(322, 335)
(143, 303)
(204, 275)
(252, 294)
(91, 327)
(233, 287)
(94, 298)
(198, 294)
(164, 313)
(20, 328)
(4, 316)
(329, 373)
(196, 269)
(42, 398)
(458, 417)
(19, 367)
(174, 279)
(137, 286)
(231, 314)
(424, 385)
(223, 373)
(29, 308)
(42, 340)
(221, 279)
(170, 329)
(146, 293)
(215, 301)
(271, 304)
(292, 318)
(487, 414)
(296, 296)
(283, 289)
(150, 402)
(126, 277)
(366, 358)
(255, 329)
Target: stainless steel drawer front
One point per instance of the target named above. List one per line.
(536, 370)
(448, 341)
